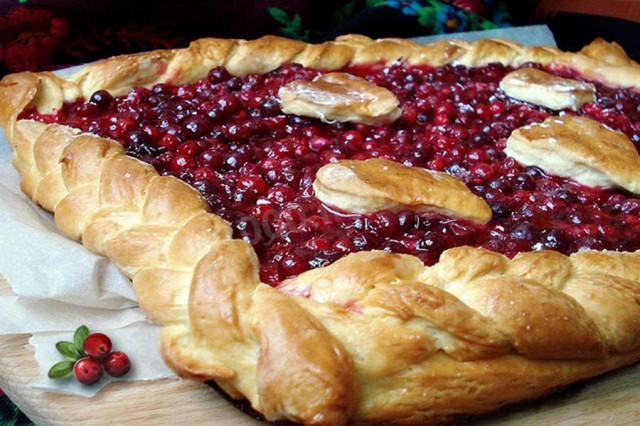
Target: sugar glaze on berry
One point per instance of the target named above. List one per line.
(227, 137)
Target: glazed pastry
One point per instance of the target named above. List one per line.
(579, 148)
(393, 316)
(340, 97)
(547, 90)
(374, 184)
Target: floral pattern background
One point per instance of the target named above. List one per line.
(440, 17)
(47, 34)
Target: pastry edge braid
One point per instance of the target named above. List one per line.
(413, 344)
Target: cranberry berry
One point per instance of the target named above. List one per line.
(87, 371)
(102, 99)
(97, 346)
(117, 364)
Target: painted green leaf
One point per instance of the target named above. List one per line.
(78, 338)
(61, 370)
(68, 350)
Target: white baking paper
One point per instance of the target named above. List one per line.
(60, 285)
(135, 340)
(530, 35)
(57, 268)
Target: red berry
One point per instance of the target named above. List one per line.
(153, 132)
(182, 161)
(317, 244)
(264, 212)
(97, 345)
(255, 184)
(318, 143)
(293, 264)
(204, 173)
(169, 141)
(87, 371)
(189, 148)
(343, 245)
(117, 364)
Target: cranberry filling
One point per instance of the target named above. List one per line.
(227, 137)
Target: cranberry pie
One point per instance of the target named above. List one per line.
(363, 231)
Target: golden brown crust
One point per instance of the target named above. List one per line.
(541, 88)
(301, 355)
(339, 96)
(381, 337)
(579, 148)
(481, 314)
(377, 184)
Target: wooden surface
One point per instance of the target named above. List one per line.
(612, 399)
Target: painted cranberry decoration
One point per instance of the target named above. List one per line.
(117, 364)
(86, 357)
(87, 370)
(97, 346)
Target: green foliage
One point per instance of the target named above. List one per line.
(427, 16)
(68, 350)
(376, 3)
(343, 13)
(279, 15)
(61, 370)
(291, 25)
(72, 352)
(78, 338)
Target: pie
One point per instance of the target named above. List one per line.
(362, 231)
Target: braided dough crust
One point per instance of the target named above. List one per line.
(373, 338)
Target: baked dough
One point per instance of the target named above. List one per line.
(541, 88)
(338, 96)
(579, 148)
(375, 338)
(375, 184)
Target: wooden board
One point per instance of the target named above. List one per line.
(612, 399)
